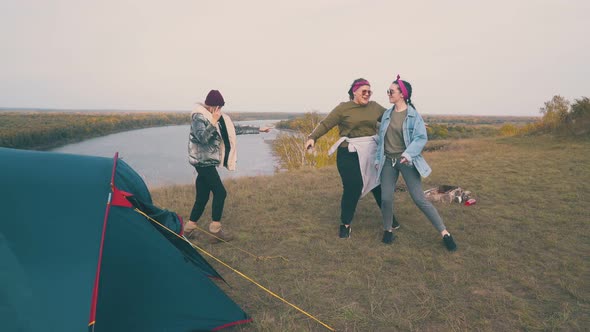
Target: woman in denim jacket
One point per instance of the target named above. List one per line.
(402, 136)
(357, 122)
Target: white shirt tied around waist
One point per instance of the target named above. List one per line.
(366, 148)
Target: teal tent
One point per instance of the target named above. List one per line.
(76, 255)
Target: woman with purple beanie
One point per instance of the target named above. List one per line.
(212, 142)
(402, 136)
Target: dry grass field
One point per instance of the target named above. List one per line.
(523, 262)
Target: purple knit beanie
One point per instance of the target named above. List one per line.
(214, 98)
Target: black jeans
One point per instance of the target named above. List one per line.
(352, 181)
(208, 181)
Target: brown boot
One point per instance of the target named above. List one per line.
(189, 227)
(219, 236)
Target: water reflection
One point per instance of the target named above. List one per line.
(160, 155)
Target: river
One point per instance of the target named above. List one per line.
(160, 155)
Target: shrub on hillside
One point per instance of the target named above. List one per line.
(555, 113)
(580, 116)
(289, 146)
(508, 130)
(561, 118)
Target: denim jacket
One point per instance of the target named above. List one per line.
(415, 138)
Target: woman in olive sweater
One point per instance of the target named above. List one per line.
(356, 120)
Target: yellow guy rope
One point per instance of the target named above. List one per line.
(240, 249)
(237, 272)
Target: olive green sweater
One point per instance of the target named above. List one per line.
(353, 120)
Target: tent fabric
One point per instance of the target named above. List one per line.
(167, 218)
(52, 219)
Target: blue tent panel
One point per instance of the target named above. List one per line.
(52, 213)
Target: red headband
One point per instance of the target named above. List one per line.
(358, 84)
(402, 87)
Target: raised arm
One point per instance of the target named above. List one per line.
(245, 130)
(323, 127)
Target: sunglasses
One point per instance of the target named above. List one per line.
(366, 92)
(390, 92)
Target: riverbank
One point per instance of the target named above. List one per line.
(520, 263)
(47, 130)
(160, 155)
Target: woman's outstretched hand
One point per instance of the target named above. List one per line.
(264, 129)
(309, 144)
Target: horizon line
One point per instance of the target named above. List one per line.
(116, 110)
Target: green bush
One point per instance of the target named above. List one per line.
(580, 116)
(289, 146)
(561, 118)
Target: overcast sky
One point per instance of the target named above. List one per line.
(503, 57)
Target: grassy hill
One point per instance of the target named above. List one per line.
(523, 260)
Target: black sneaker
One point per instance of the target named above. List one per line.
(395, 224)
(388, 237)
(344, 232)
(449, 242)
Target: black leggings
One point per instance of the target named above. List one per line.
(208, 181)
(352, 181)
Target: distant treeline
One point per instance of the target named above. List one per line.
(46, 130)
(560, 117)
(288, 146)
(452, 126)
(478, 119)
(41, 131)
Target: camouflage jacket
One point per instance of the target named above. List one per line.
(205, 144)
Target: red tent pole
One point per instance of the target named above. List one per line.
(92, 319)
